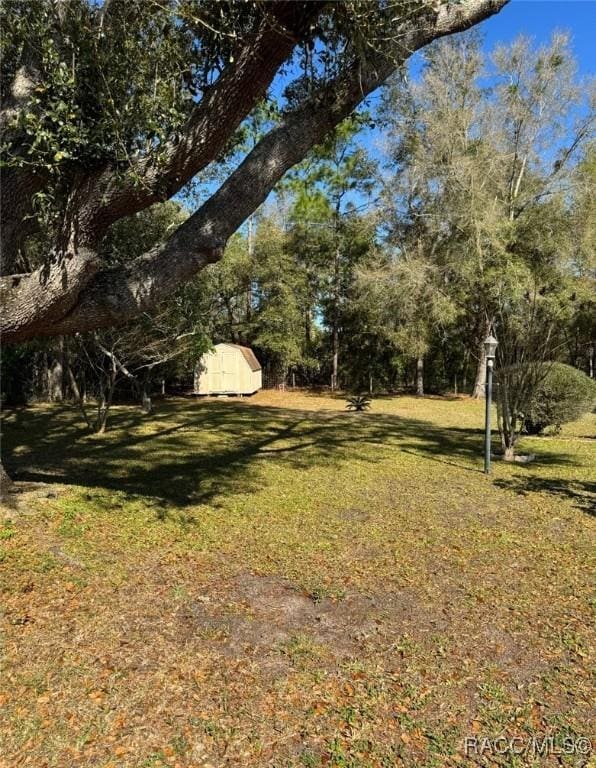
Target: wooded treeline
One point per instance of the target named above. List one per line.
(461, 202)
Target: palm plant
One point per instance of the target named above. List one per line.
(358, 403)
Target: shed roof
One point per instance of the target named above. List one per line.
(248, 355)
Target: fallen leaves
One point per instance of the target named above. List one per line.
(348, 689)
(97, 696)
(411, 582)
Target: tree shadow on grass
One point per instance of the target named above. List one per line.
(581, 493)
(193, 453)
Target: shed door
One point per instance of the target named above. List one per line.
(228, 372)
(214, 373)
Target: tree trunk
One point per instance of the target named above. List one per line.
(105, 401)
(102, 415)
(251, 253)
(509, 453)
(506, 422)
(146, 405)
(420, 376)
(465, 369)
(56, 382)
(480, 384)
(64, 363)
(307, 326)
(591, 360)
(335, 311)
(5, 483)
(77, 395)
(36, 377)
(335, 360)
(44, 382)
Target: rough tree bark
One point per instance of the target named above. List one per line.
(335, 315)
(334, 357)
(420, 376)
(5, 484)
(480, 382)
(56, 382)
(75, 291)
(479, 391)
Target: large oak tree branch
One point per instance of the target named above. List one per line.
(108, 196)
(17, 219)
(114, 296)
(46, 295)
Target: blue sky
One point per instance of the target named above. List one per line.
(538, 18)
(533, 18)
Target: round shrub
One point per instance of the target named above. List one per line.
(563, 395)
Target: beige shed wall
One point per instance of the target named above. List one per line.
(225, 371)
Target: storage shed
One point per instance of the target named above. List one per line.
(228, 369)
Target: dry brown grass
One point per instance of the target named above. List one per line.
(274, 582)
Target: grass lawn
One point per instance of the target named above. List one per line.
(276, 582)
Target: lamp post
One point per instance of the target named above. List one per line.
(490, 346)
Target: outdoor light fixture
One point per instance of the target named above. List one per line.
(490, 348)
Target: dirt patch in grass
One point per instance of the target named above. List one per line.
(256, 615)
